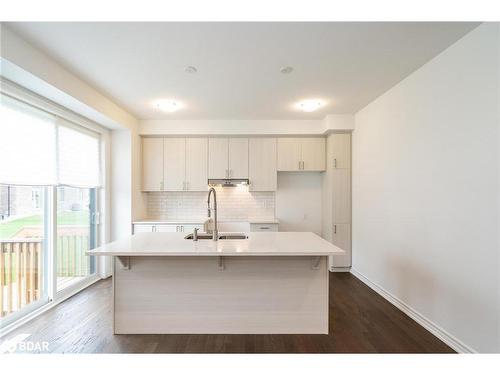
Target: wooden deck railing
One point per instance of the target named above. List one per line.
(21, 267)
(20, 273)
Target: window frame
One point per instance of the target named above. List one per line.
(102, 227)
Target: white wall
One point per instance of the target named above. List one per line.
(121, 185)
(28, 66)
(31, 68)
(426, 191)
(298, 201)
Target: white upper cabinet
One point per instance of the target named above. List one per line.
(227, 158)
(262, 164)
(238, 158)
(174, 164)
(313, 154)
(196, 164)
(218, 158)
(339, 151)
(289, 154)
(152, 164)
(301, 154)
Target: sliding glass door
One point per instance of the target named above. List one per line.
(76, 233)
(50, 179)
(23, 249)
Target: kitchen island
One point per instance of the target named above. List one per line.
(267, 283)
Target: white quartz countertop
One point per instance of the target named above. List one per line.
(257, 244)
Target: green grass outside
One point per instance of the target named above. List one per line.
(69, 248)
(10, 228)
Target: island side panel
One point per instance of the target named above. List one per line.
(251, 295)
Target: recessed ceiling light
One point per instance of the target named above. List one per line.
(309, 105)
(190, 69)
(286, 69)
(168, 105)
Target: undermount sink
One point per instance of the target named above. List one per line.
(226, 236)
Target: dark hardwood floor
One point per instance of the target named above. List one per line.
(360, 322)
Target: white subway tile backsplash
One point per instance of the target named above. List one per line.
(234, 204)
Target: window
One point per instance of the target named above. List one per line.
(22, 248)
(50, 181)
(75, 234)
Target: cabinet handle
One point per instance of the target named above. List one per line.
(153, 228)
(230, 173)
(335, 163)
(161, 185)
(264, 228)
(335, 229)
(299, 164)
(303, 165)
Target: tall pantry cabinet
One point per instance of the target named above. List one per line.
(337, 198)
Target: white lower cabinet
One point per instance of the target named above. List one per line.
(263, 227)
(165, 228)
(172, 228)
(189, 228)
(341, 237)
(141, 228)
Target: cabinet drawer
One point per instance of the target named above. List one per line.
(256, 227)
(140, 228)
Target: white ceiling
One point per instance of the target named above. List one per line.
(345, 64)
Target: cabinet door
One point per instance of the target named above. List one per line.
(341, 195)
(218, 151)
(189, 228)
(262, 164)
(196, 164)
(313, 154)
(141, 228)
(339, 150)
(174, 151)
(238, 157)
(256, 227)
(342, 238)
(166, 228)
(152, 164)
(288, 154)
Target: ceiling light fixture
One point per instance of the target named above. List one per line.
(190, 69)
(310, 105)
(286, 70)
(168, 105)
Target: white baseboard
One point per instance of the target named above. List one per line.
(340, 269)
(433, 328)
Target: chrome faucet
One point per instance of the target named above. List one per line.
(215, 233)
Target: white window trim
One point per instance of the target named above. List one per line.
(102, 263)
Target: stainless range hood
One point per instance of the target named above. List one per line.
(227, 182)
